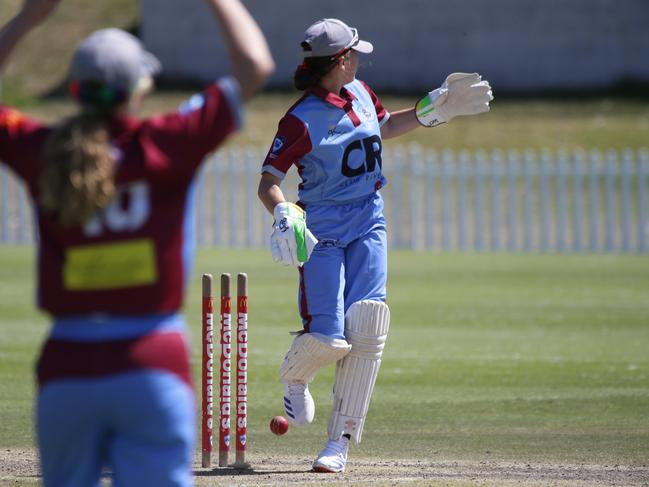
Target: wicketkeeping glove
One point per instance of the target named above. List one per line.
(461, 94)
(291, 243)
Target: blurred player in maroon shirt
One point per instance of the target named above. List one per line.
(113, 198)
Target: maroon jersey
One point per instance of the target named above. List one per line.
(131, 258)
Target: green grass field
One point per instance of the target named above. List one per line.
(521, 358)
(528, 359)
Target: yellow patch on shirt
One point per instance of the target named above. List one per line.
(11, 119)
(110, 266)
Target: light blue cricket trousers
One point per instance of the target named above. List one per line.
(349, 264)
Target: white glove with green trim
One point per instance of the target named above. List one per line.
(291, 243)
(461, 94)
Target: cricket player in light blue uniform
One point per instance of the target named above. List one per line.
(333, 135)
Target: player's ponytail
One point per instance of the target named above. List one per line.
(78, 176)
(312, 70)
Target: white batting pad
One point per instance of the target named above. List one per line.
(366, 328)
(308, 354)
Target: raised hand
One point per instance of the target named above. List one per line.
(32, 13)
(460, 94)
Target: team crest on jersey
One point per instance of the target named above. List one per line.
(278, 145)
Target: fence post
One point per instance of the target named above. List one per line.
(218, 162)
(577, 211)
(415, 197)
(480, 170)
(642, 200)
(234, 166)
(528, 192)
(561, 201)
(593, 178)
(611, 160)
(431, 164)
(627, 166)
(251, 202)
(496, 160)
(462, 200)
(545, 201)
(447, 161)
(512, 210)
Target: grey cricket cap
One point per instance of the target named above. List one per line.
(113, 57)
(328, 37)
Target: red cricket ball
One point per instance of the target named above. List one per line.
(279, 425)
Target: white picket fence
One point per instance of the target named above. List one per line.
(530, 201)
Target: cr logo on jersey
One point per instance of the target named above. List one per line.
(372, 148)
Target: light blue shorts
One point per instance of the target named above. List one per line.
(141, 425)
(116, 392)
(349, 263)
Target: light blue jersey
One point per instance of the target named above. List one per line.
(335, 142)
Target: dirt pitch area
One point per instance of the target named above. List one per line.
(20, 467)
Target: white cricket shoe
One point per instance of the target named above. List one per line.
(298, 404)
(334, 456)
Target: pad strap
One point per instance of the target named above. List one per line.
(309, 353)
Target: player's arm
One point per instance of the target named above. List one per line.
(290, 144)
(269, 191)
(399, 123)
(207, 119)
(21, 138)
(249, 54)
(32, 13)
(291, 242)
(461, 94)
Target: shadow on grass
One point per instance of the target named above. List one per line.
(233, 471)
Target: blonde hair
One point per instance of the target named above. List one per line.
(78, 177)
